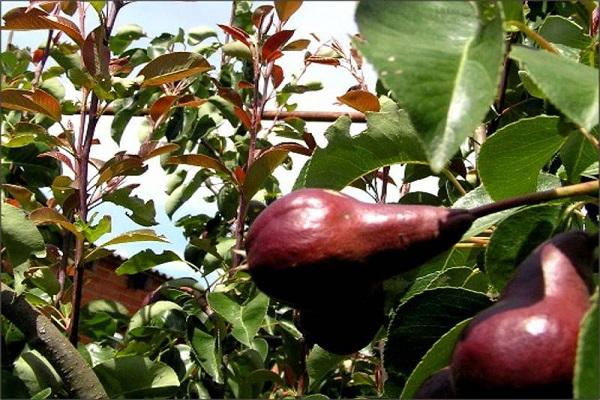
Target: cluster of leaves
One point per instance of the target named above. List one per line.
(495, 99)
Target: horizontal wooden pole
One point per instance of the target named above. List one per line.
(308, 116)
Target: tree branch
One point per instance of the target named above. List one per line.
(79, 379)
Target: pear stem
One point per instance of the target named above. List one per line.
(536, 198)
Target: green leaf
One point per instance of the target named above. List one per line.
(20, 236)
(142, 213)
(36, 372)
(516, 237)
(442, 62)
(420, 321)
(98, 5)
(237, 49)
(577, 154)
(389, 139)
(43, 394)
(246, 319)
(113, 308)
(12, 387)
(45, 279)
(318, 364)
(561, 30)
(145, 260)
(200, 33)
(201, 160)
(571, 87)
(264, 166)
(46, 215)
(98, 354)
(140, 235)
(184, 191)
(24, 196)
(205, 348)
(137, 377)
(62, 187)
(173, 67)
(35, 171)
(144, 315)
(586, 381)
(523, 148)
(436, 358)
(93, 232)
(124, 36)
(126, 110)
(478, 197)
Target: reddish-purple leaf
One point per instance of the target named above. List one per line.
(96, 54)
(259, 14)
(360, 100)
(296, 45)
(322, 60)
(60, 157)
(275, 42)
(25, 19)
(161, 107)
(33, 101)
(243, 117)
(236, 33)
(277, 75)
(286, 8)
(245, 85)
(189, 100)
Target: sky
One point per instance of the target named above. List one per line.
(327, 19)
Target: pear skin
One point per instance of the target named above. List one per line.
(524, 346)
(315, 246)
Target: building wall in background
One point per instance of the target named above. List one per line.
(102, 283)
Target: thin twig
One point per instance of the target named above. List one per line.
(536, 198)
(454, 181)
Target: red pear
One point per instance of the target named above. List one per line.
(314, 246)
(524, 346)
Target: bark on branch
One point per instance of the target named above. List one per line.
(79, 379)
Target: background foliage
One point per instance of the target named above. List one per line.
(494, 99)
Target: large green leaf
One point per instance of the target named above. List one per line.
(264, 166)
(184, 191)
(36, 372)
(246, 319)
(205, 347)
(388, 139)
(142, 212)
(155, 310)
(516, 237)
(561, 30)
(144, 260)
(571, 87)
(134, 377)
(522, 148)
(436, 358)
(442, 62)
(35, 171)
(318, 364)
(20, 236)
(577, 154)
(478, 197)
(586, 380)
(421, 321)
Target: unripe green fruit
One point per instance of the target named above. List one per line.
(524, 346)
(314, 246)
